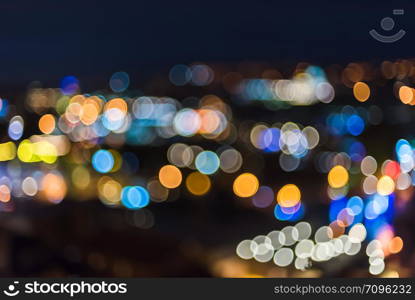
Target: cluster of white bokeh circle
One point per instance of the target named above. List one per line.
(292, 244)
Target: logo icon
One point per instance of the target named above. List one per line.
(387, 24)
(11, 290)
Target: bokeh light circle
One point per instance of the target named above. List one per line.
(289, 195)
(170, 176)
(103, 161)
(338, 177)
(197, 183)
(135, 197)
(207, 162)
(245, 185)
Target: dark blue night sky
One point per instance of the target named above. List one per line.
(45, 40)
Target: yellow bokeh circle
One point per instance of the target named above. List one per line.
(198, 184)
(170, 176)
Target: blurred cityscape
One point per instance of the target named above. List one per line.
(228, 170)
